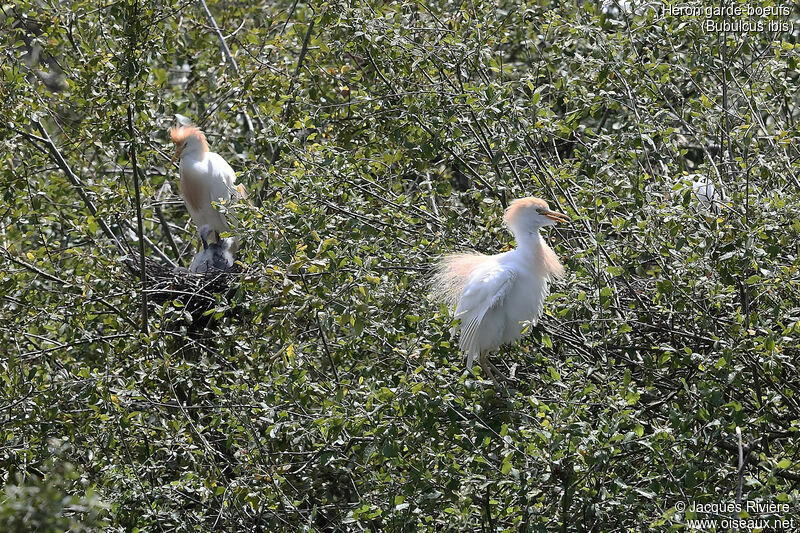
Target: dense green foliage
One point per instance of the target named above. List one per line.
(327, 393)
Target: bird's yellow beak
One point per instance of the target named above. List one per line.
(176, 155)
(555, 215)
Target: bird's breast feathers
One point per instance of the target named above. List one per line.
(193, 191)
(206, 180)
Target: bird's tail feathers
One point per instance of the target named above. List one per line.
(471, 356)
(451, 275)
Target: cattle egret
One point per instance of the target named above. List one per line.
(216, 256)
(494, 295)
(710, 197)
(205, 178)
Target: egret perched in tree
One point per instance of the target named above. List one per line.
(205, 178)
(494, 295)
(710, 197)
(216, 256)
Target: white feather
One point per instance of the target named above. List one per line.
(216, 180)
(710, 197)
(495, 295)
(499, 298)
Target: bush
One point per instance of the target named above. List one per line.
(324, 392)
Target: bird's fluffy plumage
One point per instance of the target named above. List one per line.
(205, 178)
(204, 181)
(214, 256)
(451, 275)
(494, 295)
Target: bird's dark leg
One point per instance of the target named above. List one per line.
(490, 370)
(497, 372)
(203, 239)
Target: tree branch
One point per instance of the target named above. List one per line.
(227, 51)
(167, 231)
(259, 198)
(59, 160)
(152, 245)
(139, 224)
(751, 457)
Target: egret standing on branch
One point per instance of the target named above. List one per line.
(205, 178)
(495, 294)
(711, 197)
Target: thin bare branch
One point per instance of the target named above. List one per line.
(59, 160)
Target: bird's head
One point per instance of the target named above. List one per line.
(188, 140)
(527, 215)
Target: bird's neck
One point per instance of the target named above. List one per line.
(529, 243)
(197, 155)
(536, 253)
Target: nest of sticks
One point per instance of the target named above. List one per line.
(195, 293)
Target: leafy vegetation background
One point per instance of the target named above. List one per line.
(373, 137)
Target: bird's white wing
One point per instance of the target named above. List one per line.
(221, 178)
(487, 289)
(205, 181)
(222, 186)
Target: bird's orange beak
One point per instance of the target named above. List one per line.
(555, 215)
(176, 155)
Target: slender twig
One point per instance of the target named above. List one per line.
(289, 16)
(227, 51)
(566, 499)
(434, 207)
(167, 232)
(151, 244)
(304, 50)
(750, 457)
(132, 26)
(139, 223)
(488, 508)
(64, 284)
(76, 182)
(327, 350)
(741, 469)
(276, 151)
(33, 268)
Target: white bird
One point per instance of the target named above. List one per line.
(216, 256)
(494, 295)
(205, 178)
(709, 196)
